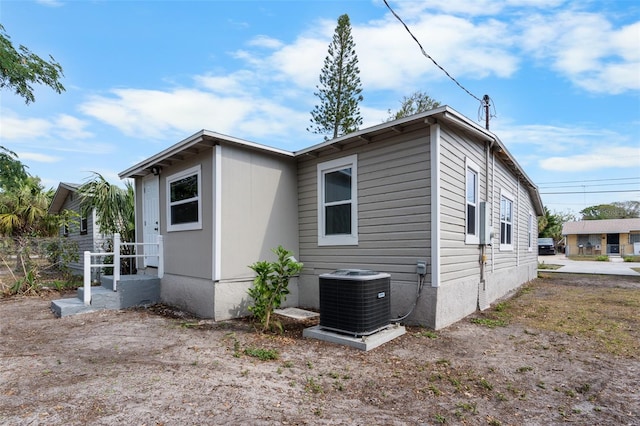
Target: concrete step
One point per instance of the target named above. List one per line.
(102, 298)
(133, 290)
(66, 307)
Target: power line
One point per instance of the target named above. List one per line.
(590, 192)
(428, 56)
(595, 184)
(589, 180)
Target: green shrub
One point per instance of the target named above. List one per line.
(270, 286)
(602, 258)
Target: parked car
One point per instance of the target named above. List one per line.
(546, 246)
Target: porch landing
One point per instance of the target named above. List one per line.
(132, 290)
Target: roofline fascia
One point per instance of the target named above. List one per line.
(192, 140)
(357, 134)
(481, 132)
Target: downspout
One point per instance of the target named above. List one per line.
(517, 225)
(435, 204)
(483, 248)
(217, 211)
(493, 170)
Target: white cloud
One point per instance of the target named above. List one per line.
(553, 138)
(65, 126)
(265, 41)
(38, 157)
(172, 113)
(50, 3)
(586, 48)
(599, 158)
(14, 127)
(69, 127)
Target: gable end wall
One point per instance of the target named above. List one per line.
(393, 217)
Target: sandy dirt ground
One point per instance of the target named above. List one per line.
(158, 366)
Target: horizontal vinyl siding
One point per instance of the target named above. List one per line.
(458, 260)
(526, 208)
(85, 241)
(393, 209)
(504, 181)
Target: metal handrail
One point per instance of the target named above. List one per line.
(116, 261)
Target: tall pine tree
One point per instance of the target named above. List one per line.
(340, 88)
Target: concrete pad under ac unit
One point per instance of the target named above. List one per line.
(365, 343)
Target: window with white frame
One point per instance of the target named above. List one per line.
(472, 233)
(634, 237)
(506, 221)
(338, 202)
(184, 206)
(83, 225)
(530, 233)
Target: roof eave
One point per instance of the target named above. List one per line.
(207, 137)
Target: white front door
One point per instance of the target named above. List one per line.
(150, 218)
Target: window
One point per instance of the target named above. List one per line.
(588, 240)
(337, 202)
(83, 225)
(506, 221)
(634, 237)
(184, 209)
(530, 233)
(471, 215)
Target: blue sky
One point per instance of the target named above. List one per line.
(564, 77)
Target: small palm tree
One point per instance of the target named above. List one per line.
(24, 210)
(114, 207)
(24, 214)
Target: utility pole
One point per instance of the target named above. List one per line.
(486, 103)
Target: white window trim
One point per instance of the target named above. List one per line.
(530, 232)
(510, 197)
(322, 169)
(177, 176)
(84, 221)
(472, 238)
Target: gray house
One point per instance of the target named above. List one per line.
(83, 229)
(433, 199)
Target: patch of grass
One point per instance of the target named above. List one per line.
(524, 369)
(262, 354)
(313, 386)
(500, 307)
(434, 389)
(583, 257)
(440, 419)
(602, 316)
(584, 388)
(489, 322)
(468, 407)
(548, 266)
(427, 333)
(485, 384)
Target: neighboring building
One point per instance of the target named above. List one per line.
(82, 230)
(429, 189)
(617, 237)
